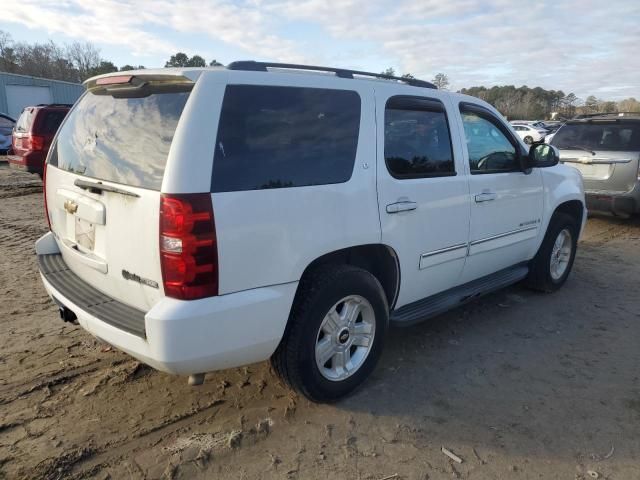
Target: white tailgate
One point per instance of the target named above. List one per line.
(107, 237)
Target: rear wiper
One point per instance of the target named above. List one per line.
(578, 147)
(99, 187)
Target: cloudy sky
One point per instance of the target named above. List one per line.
(584, 46)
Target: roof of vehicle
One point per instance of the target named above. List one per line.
(606, 116)
(192, 73)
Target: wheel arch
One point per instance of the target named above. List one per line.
(574, 208)
(378, 259)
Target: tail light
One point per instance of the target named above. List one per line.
(44, 191)
(33, 142)
(188, 246)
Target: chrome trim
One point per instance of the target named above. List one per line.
(501, 235)
(595, 161)
(443, 250)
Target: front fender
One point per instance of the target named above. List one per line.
(562, 184)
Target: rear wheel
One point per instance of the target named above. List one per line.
(552, 264)
(335, 333)
(528, 140)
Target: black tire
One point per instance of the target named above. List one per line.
(294, 360)
(540, 277)
(528, 140)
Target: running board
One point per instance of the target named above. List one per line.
(441, 302)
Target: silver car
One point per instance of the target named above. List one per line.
(606, 150)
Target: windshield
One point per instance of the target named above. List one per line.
(598, 136)
(123, 140)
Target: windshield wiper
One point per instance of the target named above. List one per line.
(100, 187)
(578, 147)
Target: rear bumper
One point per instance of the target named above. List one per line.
(183, 337)
(617, 203)
(31, 162)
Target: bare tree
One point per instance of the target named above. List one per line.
(85, 57)
(441, 81)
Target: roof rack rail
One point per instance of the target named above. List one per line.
(253, 66)
(583, 116)
(54, 105)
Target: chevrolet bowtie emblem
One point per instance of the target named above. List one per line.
(71, 206)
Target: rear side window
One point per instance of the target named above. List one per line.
(51, 120)
(279, 137)
(417, 142)
(26, 119)
(123, 139)
(612, 136)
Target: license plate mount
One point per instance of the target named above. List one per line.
(85, 233)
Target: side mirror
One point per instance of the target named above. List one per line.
(542, 155)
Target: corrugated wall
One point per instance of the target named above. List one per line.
(61, 92)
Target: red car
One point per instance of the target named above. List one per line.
(33, 134)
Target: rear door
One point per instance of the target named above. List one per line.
(103, 186)
(606, 152)
(422, 192)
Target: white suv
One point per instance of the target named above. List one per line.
(203, 219)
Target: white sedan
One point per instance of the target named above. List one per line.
(530, 134)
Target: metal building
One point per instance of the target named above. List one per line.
(19, 91)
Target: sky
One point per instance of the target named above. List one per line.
(582, 46)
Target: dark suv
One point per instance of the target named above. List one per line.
(33, 134)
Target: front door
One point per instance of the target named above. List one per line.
(422, 193)
(506, 202)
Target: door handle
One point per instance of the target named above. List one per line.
(404, 206)
(485, 197)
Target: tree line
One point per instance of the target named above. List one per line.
(74, 62)
(78, 61)
(524, 103)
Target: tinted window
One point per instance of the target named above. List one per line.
(51, 120)
(417, 142)
(599, 136)
(24, 122)
(123, 140)
(490, 151)
(276, 137)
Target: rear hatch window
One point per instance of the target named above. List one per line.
(51, 120)
(122, 138)
(26, 119)
(608, 135)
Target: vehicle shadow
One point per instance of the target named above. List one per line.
(530, 373)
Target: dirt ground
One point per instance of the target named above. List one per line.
(519, 385)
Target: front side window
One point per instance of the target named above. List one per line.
(417, 142)
(490, 151)
(279, 137)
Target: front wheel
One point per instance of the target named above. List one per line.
(528, 140)
(335, 333)
(552, 264)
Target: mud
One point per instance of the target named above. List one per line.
(519, 385)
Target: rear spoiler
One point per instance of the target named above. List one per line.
(136, 80)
